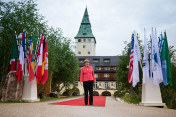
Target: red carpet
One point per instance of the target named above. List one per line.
(97, 101)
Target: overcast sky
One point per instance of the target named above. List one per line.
(112, 21)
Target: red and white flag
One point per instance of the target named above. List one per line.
(20, 66)
(39, 61)
(45, 57)
(130, 70)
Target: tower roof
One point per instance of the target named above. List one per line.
(85, 27)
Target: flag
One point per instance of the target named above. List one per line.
(137, 58)
(32, 48)
(39, 60)
(156, 62)
(20, 66)
(151, 56)
(29, 59)
(145, 61)
(165, 61)
(44, 57)
(130, 70)
(45, 75)
(14, 55)
(161, 43)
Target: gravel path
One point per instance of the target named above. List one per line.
(113, 108)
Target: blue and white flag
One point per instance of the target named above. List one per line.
(155, 59)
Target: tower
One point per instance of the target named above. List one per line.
(85, 41)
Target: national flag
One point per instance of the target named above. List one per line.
(156, 62)
(161, 43)
(14, 55)
(29, 59)
(45, 75)
(165, 61)
(130, 70)
(20, 66)
(137, 58)
(39, 60)
(145, 61)
(44, 57)
(32, 48)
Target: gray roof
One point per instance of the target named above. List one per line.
(113, 60)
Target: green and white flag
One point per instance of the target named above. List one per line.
(165, 61)
(14, 55)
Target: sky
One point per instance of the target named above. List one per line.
(112, 21)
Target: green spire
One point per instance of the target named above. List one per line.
(85, 28)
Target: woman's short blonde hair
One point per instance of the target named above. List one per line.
(86, 60)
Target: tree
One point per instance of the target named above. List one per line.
(15, 17)
(62, 62)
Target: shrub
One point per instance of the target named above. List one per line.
(75, 91)
(67, 92)
(119, 93)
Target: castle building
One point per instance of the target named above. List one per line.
(104, 66)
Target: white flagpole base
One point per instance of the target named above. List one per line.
(151, 94)
(30, 90)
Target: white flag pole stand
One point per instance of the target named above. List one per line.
(151, 94)
(30, 88)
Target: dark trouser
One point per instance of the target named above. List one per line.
(88, 85)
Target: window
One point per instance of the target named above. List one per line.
(84, 40)
(106, 75)
(115, 68)
(88, 52)
(95, 85)
(79, 52)
(84, 46)
(96, 75)
(89, 40)
(84, 33)
(106, 60)
(106, 85)
(96, 60)
(81, 60)
(107, 68)
(97, 68)
(79, 40)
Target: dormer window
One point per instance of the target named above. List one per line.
(84, 34)
(96, 60)
(106, 60)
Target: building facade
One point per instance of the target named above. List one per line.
(104, 71)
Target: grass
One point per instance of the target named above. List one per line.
(130, 100)
(41, 100)
(15, 102)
